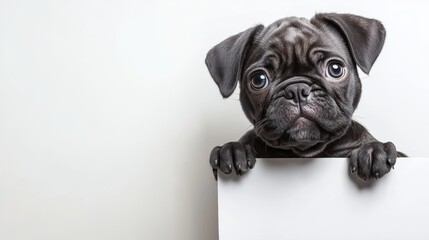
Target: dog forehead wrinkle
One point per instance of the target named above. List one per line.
(269, 61)
(292, 35)
(292, 43)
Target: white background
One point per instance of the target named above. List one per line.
(316, 199)
(108, 113)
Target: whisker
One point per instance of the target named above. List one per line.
(262, 123)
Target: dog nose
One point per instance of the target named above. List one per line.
(297, 92)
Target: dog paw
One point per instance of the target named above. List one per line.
(373, 160)
(232, 155)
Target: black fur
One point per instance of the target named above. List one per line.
(302, 112)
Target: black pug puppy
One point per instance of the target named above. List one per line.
(299, 86)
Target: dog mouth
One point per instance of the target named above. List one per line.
(302, 135)
(303, 127)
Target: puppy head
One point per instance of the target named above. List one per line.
(298, 78)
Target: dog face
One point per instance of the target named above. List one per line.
(298, 78)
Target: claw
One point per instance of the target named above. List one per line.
(353, 169)
(215, 173)
(376, 175)
(239, 169)
(216, 161)
(248, 163)
(230, 167)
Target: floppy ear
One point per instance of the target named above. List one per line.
(364, 36)
(225, 60)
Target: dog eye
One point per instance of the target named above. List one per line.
(335, 69)
(259, 80)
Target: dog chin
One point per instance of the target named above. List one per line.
(303, 131)
(302, 148)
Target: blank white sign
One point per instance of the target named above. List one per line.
(318, 199)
